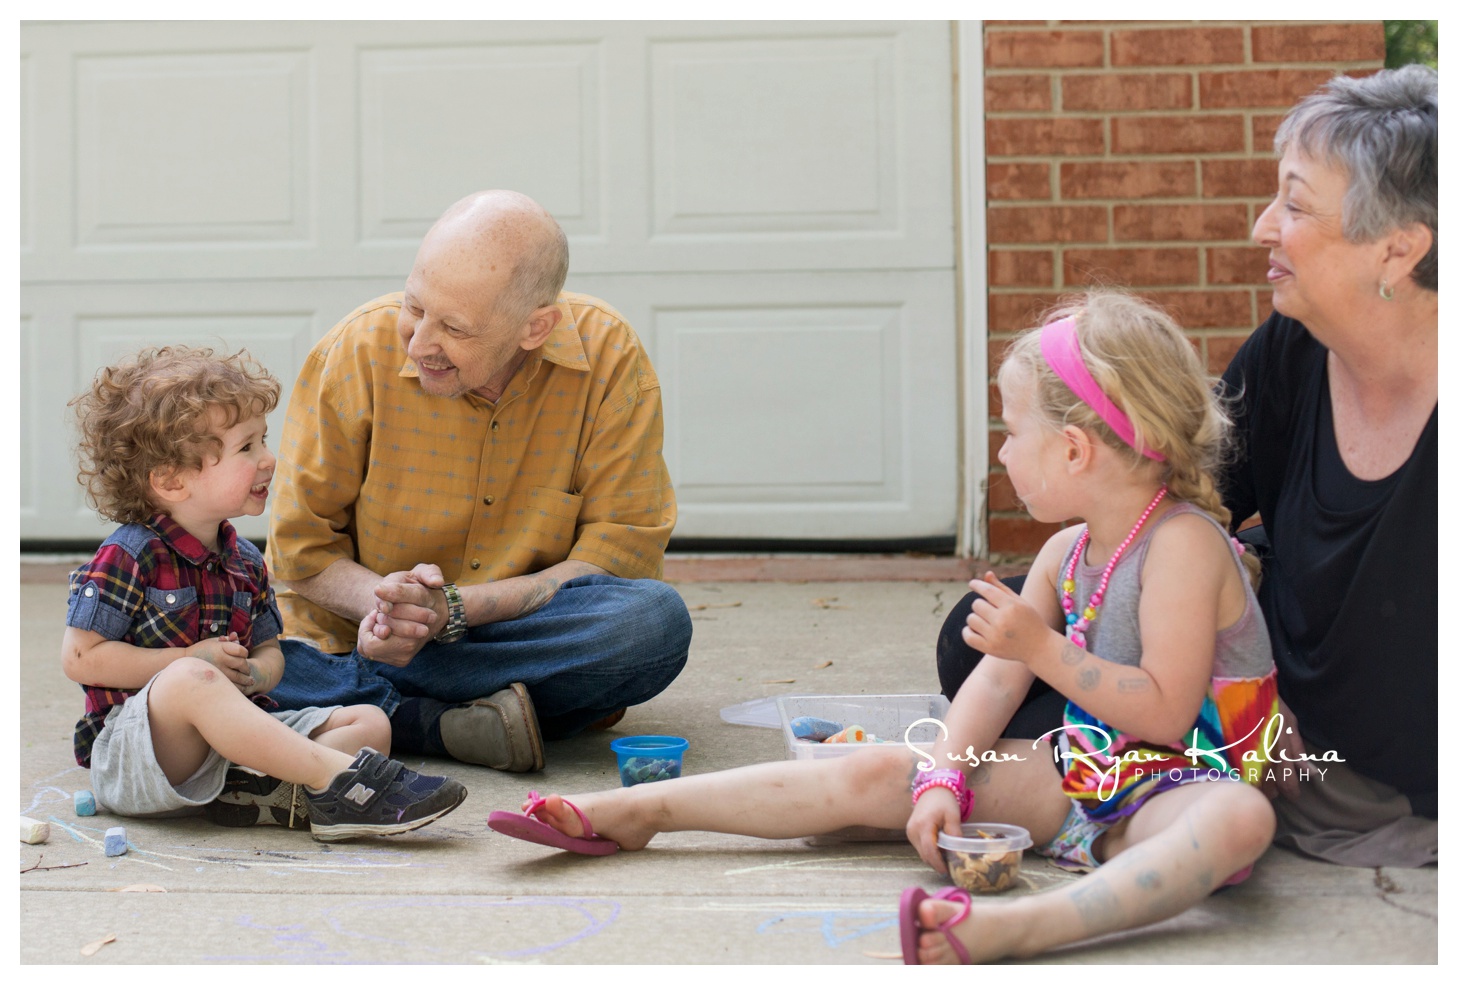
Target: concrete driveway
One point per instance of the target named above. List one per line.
(458, 893)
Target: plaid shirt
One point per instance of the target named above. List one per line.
(155, 585)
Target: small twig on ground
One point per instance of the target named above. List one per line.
(36, 866)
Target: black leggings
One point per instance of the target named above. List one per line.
(1040, 712)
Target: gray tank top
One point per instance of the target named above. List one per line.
(1242, 650)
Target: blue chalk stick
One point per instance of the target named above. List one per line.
(85, 803)
(115, 842)
(814, 729)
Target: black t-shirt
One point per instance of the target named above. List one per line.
(1350, 586)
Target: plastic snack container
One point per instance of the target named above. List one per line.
(987, 858)
(646, 758)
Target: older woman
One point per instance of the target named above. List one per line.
(1337, 425)
(1335, 404)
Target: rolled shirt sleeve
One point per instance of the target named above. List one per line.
(106, 593)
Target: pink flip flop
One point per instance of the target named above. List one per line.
(528, 827)
(911, 930)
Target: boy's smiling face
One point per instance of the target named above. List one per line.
(233, 480)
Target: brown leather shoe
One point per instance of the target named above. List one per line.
(607, 722)
(500, 732)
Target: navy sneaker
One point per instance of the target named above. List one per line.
(250, 798)
(379, 796)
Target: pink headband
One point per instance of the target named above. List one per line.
(1059, 343)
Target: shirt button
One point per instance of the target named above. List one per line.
(90, 591)
(171, 599)
(475, 564)
(489, 500)
(495, 425)
(214, 627)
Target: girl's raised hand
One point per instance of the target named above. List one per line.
(1002, 623)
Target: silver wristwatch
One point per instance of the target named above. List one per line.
(455, 626)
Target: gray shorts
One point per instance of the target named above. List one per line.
(127, 779)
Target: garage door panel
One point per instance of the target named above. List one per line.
(26, 166)
(821, 401)
(419, 151)
(30, 440)
(202, 149)
(803, 407)
(775, 136)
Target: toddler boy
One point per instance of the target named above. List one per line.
(172, 629)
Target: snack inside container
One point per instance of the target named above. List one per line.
(987, 858)
(645, 758)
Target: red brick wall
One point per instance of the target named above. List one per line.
(1139, 155)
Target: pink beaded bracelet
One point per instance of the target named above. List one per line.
(952, 780)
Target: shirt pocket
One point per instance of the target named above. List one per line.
(240, 620)
(550, 521)
(168, 618)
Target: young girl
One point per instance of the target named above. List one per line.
(1110, 418)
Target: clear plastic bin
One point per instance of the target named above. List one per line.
(886, 716)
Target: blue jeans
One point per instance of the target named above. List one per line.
(602, 643)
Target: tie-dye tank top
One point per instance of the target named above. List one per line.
(1109, 773)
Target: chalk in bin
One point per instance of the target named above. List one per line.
(646, 758)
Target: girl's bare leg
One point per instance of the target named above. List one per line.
(193, 708)
(1179, 847)
(790, 799)
(793, 799)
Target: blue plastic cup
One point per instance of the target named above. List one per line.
(646, 758)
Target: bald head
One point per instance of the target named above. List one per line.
(502, 227)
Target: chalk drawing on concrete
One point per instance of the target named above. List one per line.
(316, 860)
(836, 927)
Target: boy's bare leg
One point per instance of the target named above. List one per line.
(353, 727)
(1179, 847)
(193, 708)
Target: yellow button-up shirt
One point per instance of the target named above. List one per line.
(567, 464)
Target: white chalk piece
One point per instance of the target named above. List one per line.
(115, 842)
(34, 832)
(85, 803)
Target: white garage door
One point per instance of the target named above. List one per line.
(769, 204)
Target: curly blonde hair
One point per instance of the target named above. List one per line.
(1144, 363)
(158, 411)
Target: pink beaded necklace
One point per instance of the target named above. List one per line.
(1077, 623)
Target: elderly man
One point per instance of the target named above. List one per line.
(472, 503)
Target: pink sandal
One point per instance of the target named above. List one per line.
(911, 930)
(528, 827)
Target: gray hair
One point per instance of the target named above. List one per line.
(539, 275)
(1382, 131)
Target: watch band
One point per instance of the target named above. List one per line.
(455, 626)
